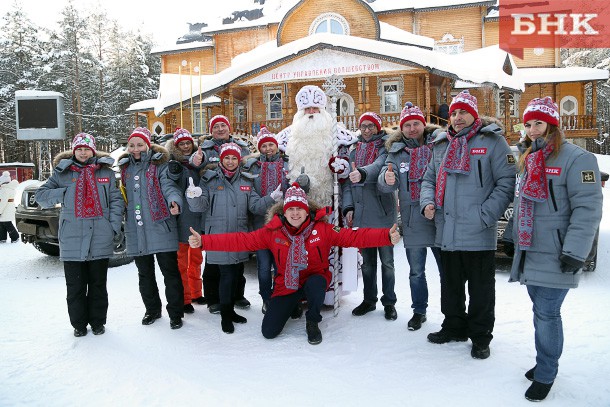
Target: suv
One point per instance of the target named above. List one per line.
(40, 226)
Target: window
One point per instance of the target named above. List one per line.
(240, 113)
(201, 121)
(274, 104)
(390, 97)
(329, 23)
(513, 102)
(449, 44)
(568, 106)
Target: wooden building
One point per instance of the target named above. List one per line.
(387, 52)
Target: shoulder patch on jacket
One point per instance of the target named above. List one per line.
(336, 229)
(510, 159)
(588, 177)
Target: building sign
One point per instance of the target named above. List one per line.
(321, 64)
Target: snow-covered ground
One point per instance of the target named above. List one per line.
(363, 361)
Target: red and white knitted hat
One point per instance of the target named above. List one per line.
(295, 196)
(310, 96)
(265, 136)
(373, 117)
(411, 112)
(141, 132)
(465, 101)
(182, 135)
(83, 140)
(219, 118)
(230, 149)
(542, 109)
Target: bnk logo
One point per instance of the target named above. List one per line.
(553, 24)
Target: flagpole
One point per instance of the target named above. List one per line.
(200, 101)
(180, 85)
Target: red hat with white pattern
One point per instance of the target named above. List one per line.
(83, 140)
(230, 149)
(141, 132)
(182, 135)
(295, 197)
(265, 136)
(542, 109)
(310, 96)
(465, 101)
(411, 112)
(219, 118)
(372, 117)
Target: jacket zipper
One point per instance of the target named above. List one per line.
(480, 173)
(552, 195)
(559, 237)
(212, 205)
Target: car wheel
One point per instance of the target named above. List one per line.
(47, 248)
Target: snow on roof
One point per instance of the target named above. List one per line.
(165, 49)
(39, 93)
(483, 67)
(142, 105)
(389, 32)
(391, 5)
(567, 74)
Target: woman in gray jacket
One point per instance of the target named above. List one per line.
(226, 195)
(84, 184)
(557, 209)
(153, 201)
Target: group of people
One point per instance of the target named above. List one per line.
(452, 184)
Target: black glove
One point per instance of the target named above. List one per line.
(174, 167)
(118, 238)
(508, 248)
(570, 264)
(303, 180)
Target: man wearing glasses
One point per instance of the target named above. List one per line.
(365, 206)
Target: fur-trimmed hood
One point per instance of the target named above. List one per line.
(320, 213)
(68, 154)
(395, 134)
(159, 155)
(175, 152)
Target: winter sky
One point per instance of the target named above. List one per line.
(163, 20)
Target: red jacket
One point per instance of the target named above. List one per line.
(322, 238)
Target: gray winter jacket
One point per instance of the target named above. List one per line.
(187, 218)
(142, 234)
(564, 224)
(417, 231)
(475, 201)
(253, 165)
(225, 205)
(82, 239)
(372, 207)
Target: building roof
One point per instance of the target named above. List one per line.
(394, 34)
(481, 66)
(560, 75)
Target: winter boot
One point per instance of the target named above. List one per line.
(390, 312)
(98, 330)
(479, 351)
(363, 308)
(529, 375)
(80, 332)
(242, 303)
(443, 336)
(226, 318)
(188, 308)
(415, 323)
(175, 323)
(150, 317)
(238, 319)
(538, 391)
(314, 336)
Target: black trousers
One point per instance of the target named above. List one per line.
(8, 228)
(478, 269)
(280, 308)
(229, 274)
(211, 283)
(174, 291)
(87, 296)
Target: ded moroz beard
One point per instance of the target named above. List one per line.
(310, 146)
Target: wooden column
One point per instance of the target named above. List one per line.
(427, 96)
(367, 94)
(360, 96)
(594, 102)
(506, 112)
(231, 114)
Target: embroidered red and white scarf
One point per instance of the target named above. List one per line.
(457, 159)
(86, 198)
(367, 152)
(272, 173)
(156, 201)
(533, 188)
(420, 157)
(297, 256)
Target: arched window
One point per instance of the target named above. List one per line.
(329, 23)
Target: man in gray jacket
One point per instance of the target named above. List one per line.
(469, 183)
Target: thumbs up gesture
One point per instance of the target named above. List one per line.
(390, 176)
(174, 208)
(193, 191)
(198, 157)
(355, 175)
(277, 194)
(194, 239)
(394, 234)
